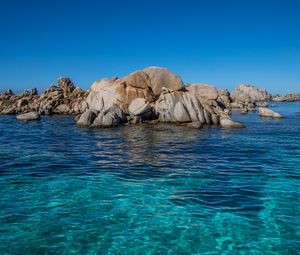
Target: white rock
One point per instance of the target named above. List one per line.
(29, 116)
(227, 122)
(139, 106)
(265, 112)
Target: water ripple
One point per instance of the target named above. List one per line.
(161, 189)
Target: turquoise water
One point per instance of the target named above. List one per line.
(150, 189)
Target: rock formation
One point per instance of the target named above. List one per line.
(291, 97)
(61, 99)
(248, 93)
(244, 97)
(148, 94)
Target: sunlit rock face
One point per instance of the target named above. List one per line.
(147, 83)
(248, 93)
(156, 93)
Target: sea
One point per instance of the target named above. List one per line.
(151, 189)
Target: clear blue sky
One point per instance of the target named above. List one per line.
(223, 43)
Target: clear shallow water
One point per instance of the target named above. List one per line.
(150, 189)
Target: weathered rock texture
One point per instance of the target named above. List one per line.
(29, 116)
(291, 97)
(244, 97)
(265, 112)
(248, 93)
(153, 93)
(61, 99)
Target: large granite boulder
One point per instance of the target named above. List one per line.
(87, 118)
(110, 118)
(180, 106)
(147, 83)
(102, 95)
(135, 85)
(204, 91)
(248, 93)
(29, 116)
(161, 77)
(265, 112)
(139, 107)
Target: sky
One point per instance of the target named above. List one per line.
(223, 43)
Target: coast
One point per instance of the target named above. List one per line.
(151, 95)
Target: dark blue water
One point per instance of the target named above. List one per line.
(161, 189)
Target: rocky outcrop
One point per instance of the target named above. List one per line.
(147, 83)
(265, 112)
(291, 97)
(66, 85)
(61, 99)
(224, 98)
(153, 94)
(244, 97)
(29, 116)
(203, 91)
(181, 106)
(247, 93)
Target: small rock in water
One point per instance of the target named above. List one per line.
(29, 116)
(265, 112)
(227, 122)
(195, 125)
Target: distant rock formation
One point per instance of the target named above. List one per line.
(245, 96)
(61, 99)
(248, 93)
(291, 97)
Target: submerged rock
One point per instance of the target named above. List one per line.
(265, 112)
(195, 125)
(29, 116)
